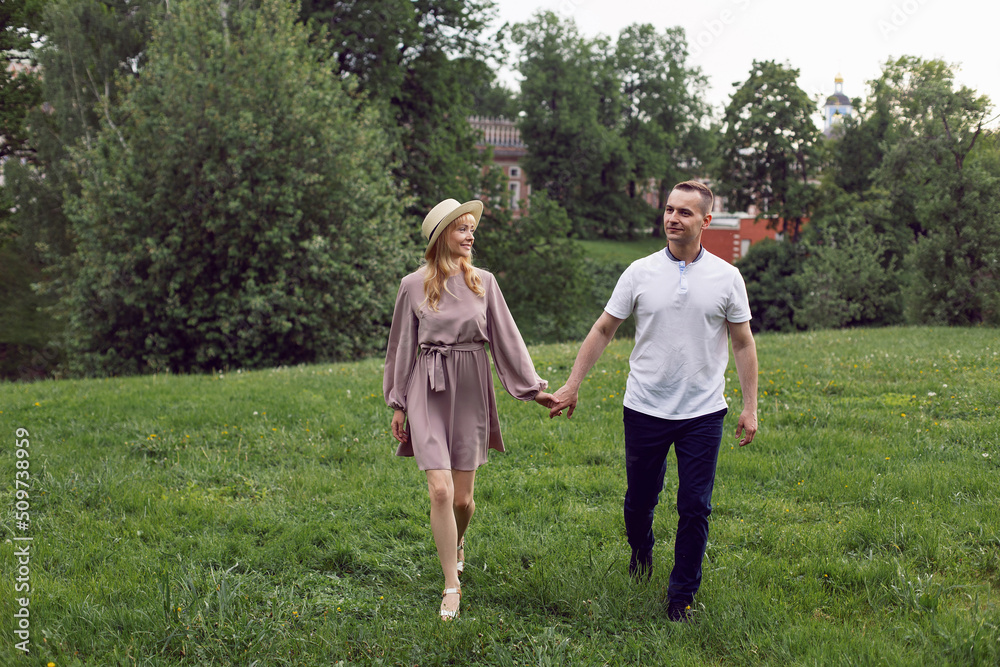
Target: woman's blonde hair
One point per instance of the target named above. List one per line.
(440, 263)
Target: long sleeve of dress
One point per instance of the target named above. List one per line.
(401, 353)
(510, 354)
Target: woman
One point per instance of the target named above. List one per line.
(437, 376)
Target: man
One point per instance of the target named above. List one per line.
(685, 300)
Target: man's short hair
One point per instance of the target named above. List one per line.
(707, 198)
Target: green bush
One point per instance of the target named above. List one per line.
(236, 208)
(540, 271)
(849, 274)
(769, 269)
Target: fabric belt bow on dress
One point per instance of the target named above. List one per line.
(435, 366)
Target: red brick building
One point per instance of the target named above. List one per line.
(730, 235)
(508, 151)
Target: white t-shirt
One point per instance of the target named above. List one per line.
(678, 364)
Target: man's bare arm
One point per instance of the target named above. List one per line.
(745, 356)
(590, 351)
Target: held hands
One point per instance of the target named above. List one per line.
(399, 426)
(557, 402)
(545, 399)
(564, 398)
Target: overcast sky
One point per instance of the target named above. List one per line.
(852, 38)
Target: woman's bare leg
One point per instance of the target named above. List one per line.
(465, 505)
(441, 489)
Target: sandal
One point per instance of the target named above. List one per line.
(450, 614)
(461, 556)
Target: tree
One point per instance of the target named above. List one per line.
(571, 103)
(83, 47)
(858, 150)
(932, 170)
(237, 208)
(90, 47)
(492, 99)
(608, 123)
(19, 91)
(421, 60)
(772, 150)
(664, 110)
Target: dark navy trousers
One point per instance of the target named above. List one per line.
(696, 444)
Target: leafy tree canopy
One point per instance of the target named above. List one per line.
(664, 111)
(422, 61)
(772, 147)
(938, 171)
(560, 101)
(607, 122)
(89, 48)
(19, 92)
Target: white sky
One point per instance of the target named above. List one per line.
(821, 39)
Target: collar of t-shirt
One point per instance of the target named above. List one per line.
(701, 253)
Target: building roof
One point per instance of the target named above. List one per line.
(498, 132)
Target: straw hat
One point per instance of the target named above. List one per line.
(444, 213)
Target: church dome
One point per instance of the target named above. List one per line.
(838, 99)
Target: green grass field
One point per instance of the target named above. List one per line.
(261, 519)
(622, 252)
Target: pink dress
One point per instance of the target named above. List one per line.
(438, 372)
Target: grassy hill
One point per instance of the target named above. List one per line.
(261, 518)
